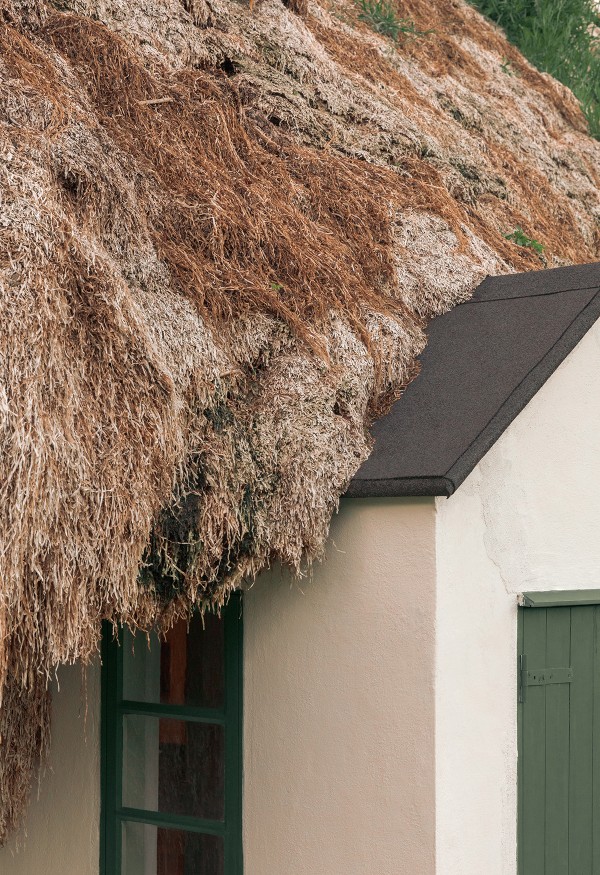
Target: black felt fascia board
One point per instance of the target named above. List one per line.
(394, 487)
(447, 484)
(524, 392)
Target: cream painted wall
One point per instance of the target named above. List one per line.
(339, 716)
(63, 823)
(527, 518)
(339, 703)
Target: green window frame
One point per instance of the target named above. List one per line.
(115, 708)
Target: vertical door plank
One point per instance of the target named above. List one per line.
(581, 741)
(558, 655)
(534, 748)
(596, 737)
(520, 706)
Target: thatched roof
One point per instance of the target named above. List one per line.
(221, 233)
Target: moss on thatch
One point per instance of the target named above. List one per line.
(222, 232)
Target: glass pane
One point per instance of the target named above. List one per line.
(186, 668)
(148, 850)
(173, 766)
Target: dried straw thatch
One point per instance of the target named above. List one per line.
(221, 233)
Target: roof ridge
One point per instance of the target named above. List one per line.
(533, 295)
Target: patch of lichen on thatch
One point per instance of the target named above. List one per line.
(222, 232)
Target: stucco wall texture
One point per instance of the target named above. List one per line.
(63, 820)
(525, 519)
(339, 704)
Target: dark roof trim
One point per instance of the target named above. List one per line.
(523, 393)
(574, 278)
(560, 598)
(410, 446)
(390, 487)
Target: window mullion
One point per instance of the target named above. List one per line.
(111, 742)
(171, 821)
(118, 728)
(233, 733)
(177, 712)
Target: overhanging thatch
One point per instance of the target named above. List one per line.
(221, 234)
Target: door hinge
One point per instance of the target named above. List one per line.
(539, 677)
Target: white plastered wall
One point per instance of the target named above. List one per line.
(62, 827)
(339, 703)
(527, 518)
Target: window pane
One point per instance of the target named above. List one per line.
(183, 669)
(173, 766)
(148, 850)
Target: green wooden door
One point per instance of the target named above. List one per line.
(559, 740)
